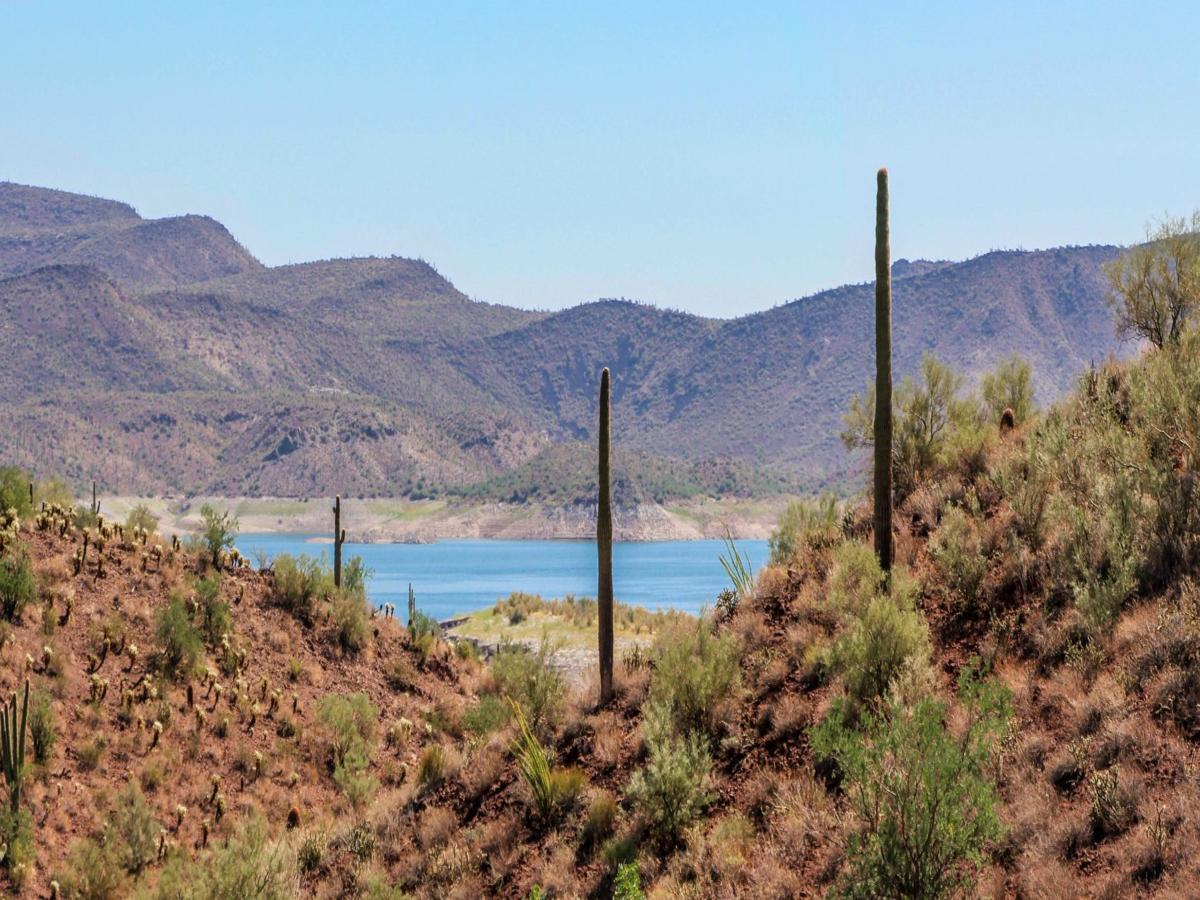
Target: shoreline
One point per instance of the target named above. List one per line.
(389, 521)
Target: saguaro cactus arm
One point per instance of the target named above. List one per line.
(604, 528)
(883, 376)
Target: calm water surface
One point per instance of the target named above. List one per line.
(451, 577)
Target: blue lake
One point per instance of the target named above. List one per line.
(451, 577)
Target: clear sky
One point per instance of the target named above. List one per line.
(716, 158)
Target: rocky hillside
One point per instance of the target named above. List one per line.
(1013, 713)
(117, 322)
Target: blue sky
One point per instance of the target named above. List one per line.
(715, 158)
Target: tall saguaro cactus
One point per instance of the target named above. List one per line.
(12, 746)
(604, 530)
(883, 377)
(95, 502)
(339, 538)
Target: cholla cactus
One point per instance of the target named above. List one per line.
(132, 652)
(156, 729)
(180, 814)
(216, 787)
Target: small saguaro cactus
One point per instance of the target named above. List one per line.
(12, 745)
(339, 538)
(604, 530)
(412, 610)
(883, 376)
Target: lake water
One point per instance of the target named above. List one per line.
(452, 577)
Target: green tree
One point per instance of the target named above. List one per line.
(219, 532)
(14, 490)
(1155, 287)
(1009, 386)
(926, 411)
(921, 791)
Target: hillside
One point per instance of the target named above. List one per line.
(1014, 716)
(120, 320)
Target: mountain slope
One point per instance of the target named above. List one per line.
(174, 307)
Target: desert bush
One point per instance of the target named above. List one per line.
(299, 582)
(431, 767)
(927, 807)
(695, 671)
(215, 619)
(351, 619)
(671, 791)
(531, 680)
(350, 722)
(92, 872)
(812, 523)
(957, 551)
(179, 643)
(14, 490)
(855, 578)
(219, 531)
(18, 586)
(17, 835)
(141, 517)
(42, 730)
(926, 411)
(884, 633)
(245, 865)
(1155, 286)
(91, 752)
(1008, 386)
(487, 715)
(131, 831)
(601, 817)
(627, 883)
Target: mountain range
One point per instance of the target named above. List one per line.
(160, 356)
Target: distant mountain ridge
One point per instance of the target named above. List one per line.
(160, 355)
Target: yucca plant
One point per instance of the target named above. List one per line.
(532, 763)
(737, 566)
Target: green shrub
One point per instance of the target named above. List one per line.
(695, 670)
(215, 619)
(531, 680)
(92, 872)
(671, 791)
(179, 644)
(855, 579)
(601, 817)
(218, 532)
(42, 731)
(927, 807)
(16, 833)
(926, 413)
(245, 865)
(431, 767)
(1008, 386)
(131, 831)
(351, 618)
(14, 490)
(807, 523)
(889, 637)
(18, 586)
(299, 582)
(487, 715)
(91, 752)
(957, 552)
(350, 722)
(141, 517)
(627, 885)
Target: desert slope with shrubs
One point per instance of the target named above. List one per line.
(1012, 712)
